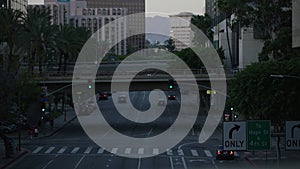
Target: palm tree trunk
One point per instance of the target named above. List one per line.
(60, 62)
(65, 63)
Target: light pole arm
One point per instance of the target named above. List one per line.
(285, 76)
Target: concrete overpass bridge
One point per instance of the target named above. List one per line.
(144, 82)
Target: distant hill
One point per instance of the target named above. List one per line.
(155, 26)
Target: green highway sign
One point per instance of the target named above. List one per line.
(258, 135)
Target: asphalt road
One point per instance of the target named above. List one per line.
(71, 148)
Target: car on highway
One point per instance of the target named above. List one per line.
(224, 154)
(171, 97)
(102, 96)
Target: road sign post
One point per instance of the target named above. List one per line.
(234, 135)
(292, 135)
(258, 135)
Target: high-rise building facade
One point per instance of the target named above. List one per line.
(15, 4)
(77, 14)
(210, 7)
(180, 30)
(134, 23)
(94, 18)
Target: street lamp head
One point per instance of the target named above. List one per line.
(277, 76)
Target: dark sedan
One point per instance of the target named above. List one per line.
(224, 154)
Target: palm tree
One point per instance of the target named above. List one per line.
(10, 25)
(69, 43)
(39, 36)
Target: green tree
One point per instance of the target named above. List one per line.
(170, 45)
(10, 26)
(205, 24)
(272, 21)
(256, 95)
(39, 36)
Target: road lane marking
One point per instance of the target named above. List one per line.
(213, 162)
(139, 164)
(88, 150)
(75, 150)
(183, 162)
(208, 153)
(169, 152)
(62, 150)
(150, 132)
(114, 150)
(141, 151)
(171, 163)
(180, 152)
(194, 153)
(127, 150)
(155, 151)
(47, 164)
(37, 149)
(76, 166)
(49, 150)
(100, 151)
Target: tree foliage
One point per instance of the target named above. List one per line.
(254, 93)
(205, 24)
(272, 22)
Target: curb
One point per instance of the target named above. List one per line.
(23, 153)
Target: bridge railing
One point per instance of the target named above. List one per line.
(68, 75)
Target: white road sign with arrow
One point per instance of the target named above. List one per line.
(234, 135)
(292, 135)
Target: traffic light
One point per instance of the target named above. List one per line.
(90, 85)
(43, 108)
(171, 84)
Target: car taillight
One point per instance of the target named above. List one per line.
(231, 152)
(219, 152)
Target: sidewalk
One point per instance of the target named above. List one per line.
(44, 131)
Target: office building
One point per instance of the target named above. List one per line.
(14, 4)
(135, 23)
(180, 30)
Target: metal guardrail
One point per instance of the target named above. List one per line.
(105, 75)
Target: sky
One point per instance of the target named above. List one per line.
(166, 7)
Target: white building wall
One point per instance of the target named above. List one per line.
(249, 48)
(94, 18)
(180, 30)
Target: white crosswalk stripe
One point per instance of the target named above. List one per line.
(127, 150)
(155, 151)
(208, 153)
(100, 151)
(141, 151)
(169, 152)
(180, 152)
(62, 150)
(75, 150)
(37, 149)
(194, 153)
(88, 150)
(114, 150)
(49, 150)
